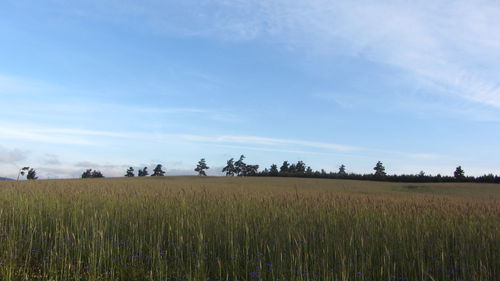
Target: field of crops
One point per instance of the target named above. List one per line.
(188, 228)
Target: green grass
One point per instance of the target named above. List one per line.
(188, 228)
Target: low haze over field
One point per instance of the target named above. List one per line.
(108, 84)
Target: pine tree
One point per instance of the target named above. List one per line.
(240, 168)
(251, 170)
(31, 174)
(130, 172)
(309, 170)
(284, 168)
(342, 171)
(87, 174)
(459, 173)
(96, 174)
(229, 169)
(379, 170)
(158, 172)
(300, 167)
(274, 170)
(22, 171)
(144, 172)
(202, 165)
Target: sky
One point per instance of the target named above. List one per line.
(108, 84)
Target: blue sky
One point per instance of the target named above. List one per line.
(108, 84)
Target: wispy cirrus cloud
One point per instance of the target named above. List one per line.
(87, 137)
(270, 142)
(448, 47)
(38, 135)
(424, 156)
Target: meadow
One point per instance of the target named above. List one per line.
(211, 228)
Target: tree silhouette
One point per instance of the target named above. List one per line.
(96, 174)
(31, 174)
(202, 165)
(130, 172)
(300, 167)
(229, 169)
(158, 171)
(342, 171)
(92, 174)
(309, 170)
(285, 167)
(22, 171)
(240, 168)
(251, 170)
(274, 170)
(144, 172)
(459, 173)
(379, 170)
(87, 174)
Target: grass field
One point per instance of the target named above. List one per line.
(189, 228)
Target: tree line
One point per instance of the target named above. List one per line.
(300, 169)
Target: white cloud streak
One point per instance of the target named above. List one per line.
(270, 142)
(448, 47)
(88, 137)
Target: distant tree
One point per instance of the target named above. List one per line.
(251, 170)
(201, 167)
(144, 172)
(459, 173)
(486, 178)
(130, 172)
(31, 174)
(240, 168)
(229, 169)
(284, 167)
(273, 171)
(300, 167)
(96, 174)
(264, 173)
(158, 171)
(342, 171)
(87, 174)
(379, 170)
(22, 171)
(309, 170)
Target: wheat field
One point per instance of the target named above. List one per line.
(215, 228)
